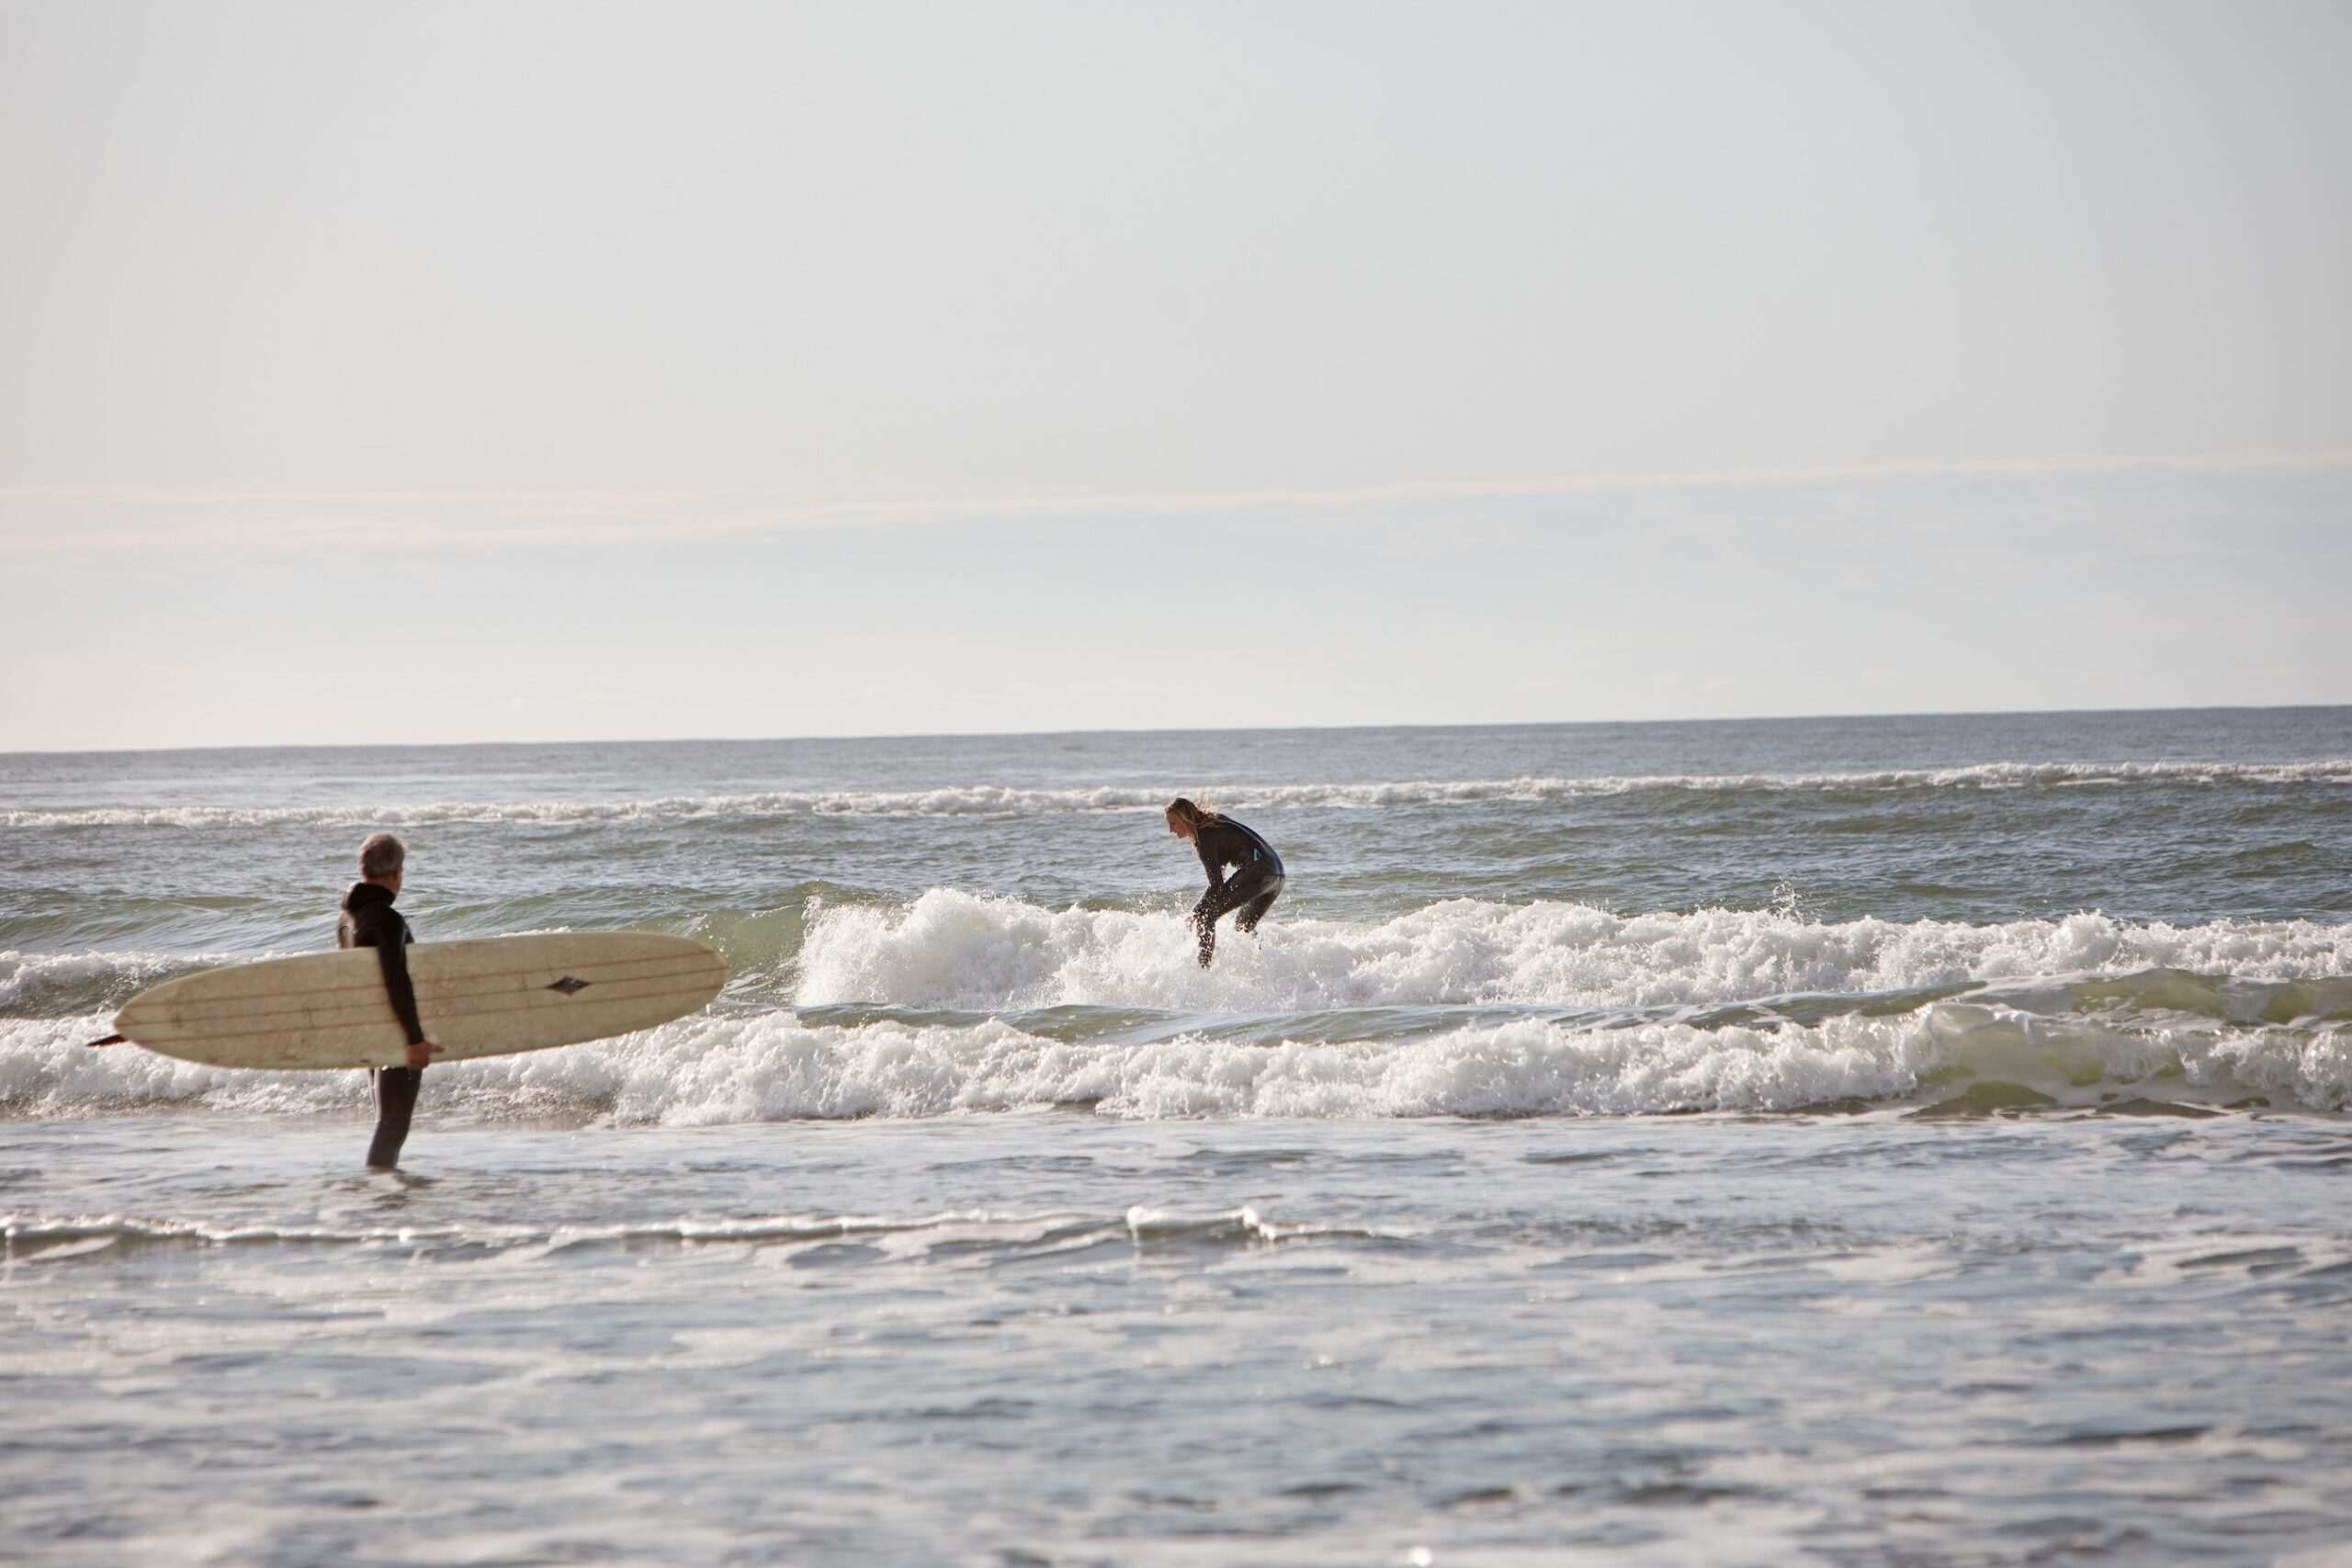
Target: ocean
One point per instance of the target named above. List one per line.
(1908, 1139)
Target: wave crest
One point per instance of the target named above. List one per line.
(960, 949)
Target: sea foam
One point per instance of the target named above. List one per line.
(1338, 1021)
(721, 1069)
(960, 949)
(43, 984)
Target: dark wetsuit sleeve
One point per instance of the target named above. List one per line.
(389, 937)
(394, 956)
(1210, 861)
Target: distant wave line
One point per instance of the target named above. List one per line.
(980, 800)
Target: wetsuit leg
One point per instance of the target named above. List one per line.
(395, 1102)
(1247, 889)
(1255, 911)
(1214, 903)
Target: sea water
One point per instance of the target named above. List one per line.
(1845, 1141)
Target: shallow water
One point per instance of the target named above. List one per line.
(1854, 1142)
(1066, 1337)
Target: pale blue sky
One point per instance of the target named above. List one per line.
(771, 369)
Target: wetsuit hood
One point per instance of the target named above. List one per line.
(365, 895)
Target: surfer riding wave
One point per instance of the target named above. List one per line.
(1221, 842)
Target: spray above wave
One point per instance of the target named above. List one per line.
(987, 800)
(957, 950)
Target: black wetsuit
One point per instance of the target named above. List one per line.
(1253, 889)
(369, 920)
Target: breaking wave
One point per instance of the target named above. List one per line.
(953, 949)
(781, 1066)
(953, 1003)
(976, 953)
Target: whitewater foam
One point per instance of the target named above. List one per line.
(953, 949)
(33, 1236)
(47, 983)
(776, 1067)
(1714, 1008)
(976, 953)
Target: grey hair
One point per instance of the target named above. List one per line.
(381, 857)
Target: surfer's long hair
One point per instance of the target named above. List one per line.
(1193, 816)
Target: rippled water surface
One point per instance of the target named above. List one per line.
(1850, 1141)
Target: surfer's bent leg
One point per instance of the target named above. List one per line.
(395, 1102)
(1214, 903)
(1255, 911)
(1252, 892)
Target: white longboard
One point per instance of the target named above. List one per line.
(484, 997)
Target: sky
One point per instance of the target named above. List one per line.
(447, 373)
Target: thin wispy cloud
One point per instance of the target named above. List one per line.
(57, 518)
(1142, 366)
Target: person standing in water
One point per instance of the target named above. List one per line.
(369, 920)
(1221, 842)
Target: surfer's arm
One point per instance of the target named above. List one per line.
(393, 955)
(1210, 862)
